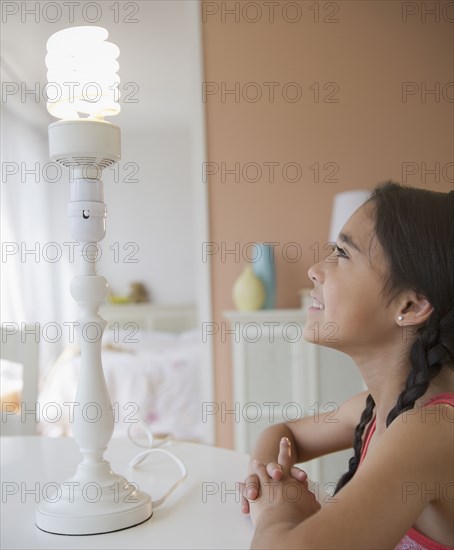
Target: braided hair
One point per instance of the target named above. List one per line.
(415, 228)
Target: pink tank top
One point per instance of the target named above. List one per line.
(414, 540)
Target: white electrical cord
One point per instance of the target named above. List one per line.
(152, 447)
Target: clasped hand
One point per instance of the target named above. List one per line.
(277, 486)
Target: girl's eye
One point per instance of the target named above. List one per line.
(339, 252)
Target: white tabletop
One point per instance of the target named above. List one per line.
(204, 512)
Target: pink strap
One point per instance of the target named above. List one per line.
(446, 398)
(369, 434)
(420, 541)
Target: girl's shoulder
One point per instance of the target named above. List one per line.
(437, 409)
(423, 436)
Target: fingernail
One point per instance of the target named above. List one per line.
(251, 493)
(285, 441)
(275, 471)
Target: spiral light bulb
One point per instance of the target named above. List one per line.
(82, 74)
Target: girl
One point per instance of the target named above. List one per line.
(389, 287)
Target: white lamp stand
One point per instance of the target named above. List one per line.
(95, 499)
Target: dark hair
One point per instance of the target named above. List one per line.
(415, 228)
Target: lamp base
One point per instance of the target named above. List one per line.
(82, 506)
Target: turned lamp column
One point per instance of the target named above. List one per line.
(93, 416)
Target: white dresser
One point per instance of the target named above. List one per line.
(278, 377)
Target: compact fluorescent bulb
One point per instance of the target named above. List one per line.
(82, 74)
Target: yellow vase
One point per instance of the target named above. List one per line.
(248, 291)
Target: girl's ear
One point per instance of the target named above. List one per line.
(415, 309)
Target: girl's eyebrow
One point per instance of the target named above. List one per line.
(344, 237)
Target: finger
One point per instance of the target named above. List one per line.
(251, 487)
(274, 470)
(298, 473)
(244, 501)
(285, 453)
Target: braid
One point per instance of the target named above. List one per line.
(353, 463)
(427, 355)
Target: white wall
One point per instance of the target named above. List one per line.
(149, 203)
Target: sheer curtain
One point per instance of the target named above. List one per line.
(36, 266)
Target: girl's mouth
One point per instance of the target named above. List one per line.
(317, 305)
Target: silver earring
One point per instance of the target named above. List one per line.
(400, 318)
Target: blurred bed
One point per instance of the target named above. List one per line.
(152, 360)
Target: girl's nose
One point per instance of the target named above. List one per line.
(315, 273)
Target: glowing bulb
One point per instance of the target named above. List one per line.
(82, 74)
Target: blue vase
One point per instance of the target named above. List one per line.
(264, 268)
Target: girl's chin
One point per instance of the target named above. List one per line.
(324, 333)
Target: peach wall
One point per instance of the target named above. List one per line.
(366, 135)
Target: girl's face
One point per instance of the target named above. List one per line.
(349, 312)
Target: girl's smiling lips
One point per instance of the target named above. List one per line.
(317, 304)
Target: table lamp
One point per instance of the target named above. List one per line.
(344, 205)
(82, 69)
